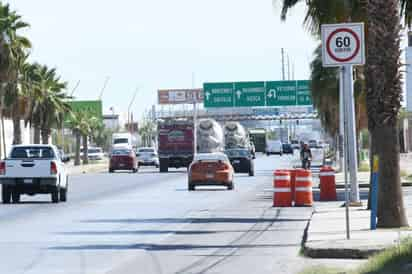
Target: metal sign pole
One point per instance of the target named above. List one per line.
(344, 71)
(341, 122)
(351, 135)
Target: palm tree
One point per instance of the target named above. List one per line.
(13, 48)
(383, 88)
(82, 124)
(48, 102)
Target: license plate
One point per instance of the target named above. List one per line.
(236, 161)
(121, 165)
(28, 181)
(209, 175)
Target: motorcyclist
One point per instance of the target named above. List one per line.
(305, 156)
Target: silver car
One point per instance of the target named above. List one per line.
(147, 156)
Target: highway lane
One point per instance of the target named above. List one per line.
(149, 223)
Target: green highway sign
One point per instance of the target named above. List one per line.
(250, 94)
(303, 93)
(281, 93)
(257, 94)
(218, 94)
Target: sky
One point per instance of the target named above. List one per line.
(153, 44)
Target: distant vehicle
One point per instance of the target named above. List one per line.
(147, 156)
(274, 147)
(241, 160)
(287, 148)
(210, 136)
(295, 144)
(33, 169)
(258, 137)
(313, 144)
(123, 159)
(210, 169)
(176, 143)
(94, 153)
(124, 140)
(63, 156)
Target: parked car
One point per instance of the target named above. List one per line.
(147, 156)
(274, 147)
(210, 169)
(33, 169)
(95, 153)
(123, 159)
(241, 160)
(287, 148)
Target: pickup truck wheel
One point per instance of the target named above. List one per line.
(230, 186)
(5, 195)
(15, 196)
(63, 194)
(164, 165)
(251, 171)
(191, 187)
(55, 195)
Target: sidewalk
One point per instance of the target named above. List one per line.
(326, 232)
(93, 167)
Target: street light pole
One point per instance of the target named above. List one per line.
(128, 109)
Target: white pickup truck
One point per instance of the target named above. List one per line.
(33, 169)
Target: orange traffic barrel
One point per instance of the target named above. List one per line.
(303, 188)
(282, 195)
(327, 184)
(293, 181)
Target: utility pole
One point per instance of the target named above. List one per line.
(288, 68)
(283, 64)
(194, 116)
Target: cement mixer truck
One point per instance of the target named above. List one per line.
(210, 136)
(236, 136)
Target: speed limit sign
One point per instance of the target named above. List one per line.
(343, 44)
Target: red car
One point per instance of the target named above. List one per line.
(123, 159)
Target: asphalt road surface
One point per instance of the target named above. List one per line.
(149, 223)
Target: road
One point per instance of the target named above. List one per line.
(149, 223)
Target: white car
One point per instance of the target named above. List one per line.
(95, 153)
(33, 169)
(274, 147)
(147, 156)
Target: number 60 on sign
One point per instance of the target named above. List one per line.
(343, 44)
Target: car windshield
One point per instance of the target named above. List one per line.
(146, 150)
(94, 150)
(121, 141)
(32, 153)
(237, 153)
(119, 152)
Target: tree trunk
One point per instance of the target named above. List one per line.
(16, 129)
(3, 135)
(85, 151)
(45, 135)
(77, 149)
(384, 93)
(36, 136)
(391, 209)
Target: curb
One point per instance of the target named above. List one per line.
(339, 253)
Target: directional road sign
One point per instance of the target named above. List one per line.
(343, 44)
(257, 94)
(250, 94)
(218, 94)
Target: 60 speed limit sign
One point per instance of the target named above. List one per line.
(343, 44)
